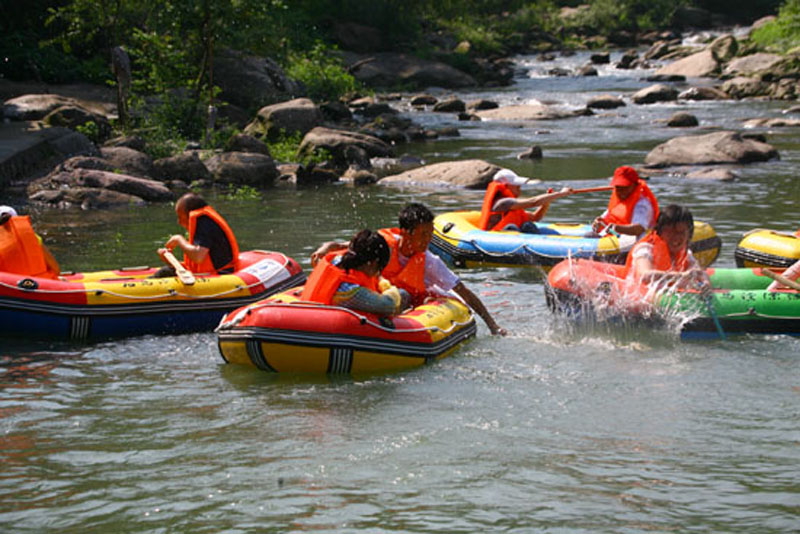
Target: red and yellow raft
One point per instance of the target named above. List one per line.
(126, 302)
(284, 334)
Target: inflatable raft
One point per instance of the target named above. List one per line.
(458, 241)
(283, 334)
(739, 300)
(125, 302)
(767, 248)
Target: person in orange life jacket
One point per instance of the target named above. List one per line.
(22, 250)
(632, 209)
(352, 280)
(503, 209)
(211, 246)
(664, 256)
(413, 267)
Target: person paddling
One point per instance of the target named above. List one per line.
(632, 208)
(503, 209)
(352, 279)
(413, 267)
(211, 246)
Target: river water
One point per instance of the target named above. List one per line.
(554, 428)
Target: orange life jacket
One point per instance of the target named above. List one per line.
(410, 277)
(661, 258)
(517, 217)
(326, 278)
(621, 211)
(21, 251)
(207, 266)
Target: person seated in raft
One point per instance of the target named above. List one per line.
(632, 208)
(664, 256)
(413, 267)
(22, 250)
(352, 279)
(211, 246)
(503, 209)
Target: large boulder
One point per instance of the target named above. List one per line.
(250, 81)
(724, 47)
(128, 160)
(709, 149)
(82, 179)
(655, 93)
(36, 107)
(73, 117)
(605, 102)
(85, 197)
(186, 167)
(752, 64)
(744, 87)
(295, 116)
(703, 93)
(526, 112)
(695, 66)
(337, 142)
(387, 69)
(467, 174)
(243, 168)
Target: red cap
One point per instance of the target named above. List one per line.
(625, 176)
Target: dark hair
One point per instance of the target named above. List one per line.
(365, 247)
(192, 201)
(674, 214)
(413, 215)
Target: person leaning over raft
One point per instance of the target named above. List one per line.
(21, 249)
(352, 280)
(632, 208)
(664, 255)
(211, 246)
(413, 267)
(503, 209)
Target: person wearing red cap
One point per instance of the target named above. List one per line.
(632, 209)
(503, 209)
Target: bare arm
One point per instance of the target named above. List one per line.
(509, 203)
(475, 303)
(327, 248)
(196, 253)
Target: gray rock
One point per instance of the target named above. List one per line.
(36, 107)
(771, 123)
(73, 144)
(337, 141)
(388, 69)
(468, 174)
(752, 64)
(246, 143)
(130, 141)
(243, 168)
(655, 93)
(251, 81)
(85, 198)
(424, 100)
(605, 102)
(709, 149)
(451, 105)
(481, 104)
(525, 112)
(534, 152)
(128, 160)
(298, 115)
(682, 119)
(743, 87)
(701, 64)
(72, 117)
(703, 93)
(185, 167)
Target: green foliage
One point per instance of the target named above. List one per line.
(603, 17)
(90, 129)
(782, 34)
(286, 148)
(242, 192)
(321, 71)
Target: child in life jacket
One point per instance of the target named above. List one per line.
(22, 250)
(352, 279)
(663, 256)
(503, 209)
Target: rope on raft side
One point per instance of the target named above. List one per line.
(170, 292)
(313, 305)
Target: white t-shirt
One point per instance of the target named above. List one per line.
(642, 214)
(437, 273)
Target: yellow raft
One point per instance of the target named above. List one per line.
(767, 248)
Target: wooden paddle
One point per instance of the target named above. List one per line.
(780, 278)
(592, 189)
(184, 275)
